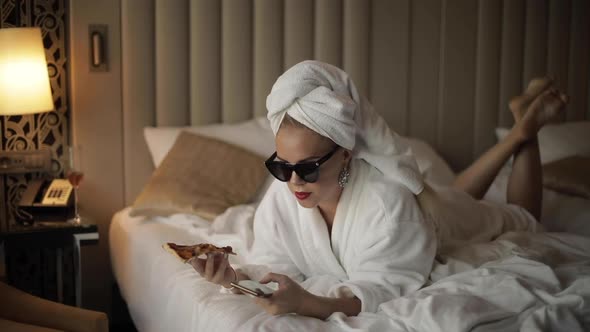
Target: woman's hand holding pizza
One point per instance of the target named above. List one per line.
(290, 297)
(215, 268)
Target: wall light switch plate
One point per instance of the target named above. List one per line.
(25, 161)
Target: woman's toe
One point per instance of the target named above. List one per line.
(538, 85)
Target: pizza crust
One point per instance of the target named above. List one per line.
(169, 249)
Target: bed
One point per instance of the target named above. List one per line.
(212, 79)
(531, 281)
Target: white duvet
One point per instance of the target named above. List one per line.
(519, 282)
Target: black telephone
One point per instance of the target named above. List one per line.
(48, 200)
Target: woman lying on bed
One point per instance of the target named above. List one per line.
(341, 230)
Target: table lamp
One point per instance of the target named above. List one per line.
(24, 89)
(24, 80)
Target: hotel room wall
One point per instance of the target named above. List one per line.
(37, 131)
(94, 101)
(96, 127)
(438, 70)
(442, 71)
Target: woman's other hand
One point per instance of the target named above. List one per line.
(215, 269)
(289, 298)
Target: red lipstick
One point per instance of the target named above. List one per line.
(302, 195)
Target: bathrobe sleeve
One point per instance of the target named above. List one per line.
(271, 251)
(392, 257)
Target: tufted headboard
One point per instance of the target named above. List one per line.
(439, 70)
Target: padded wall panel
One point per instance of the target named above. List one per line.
(268, 49)
(424, 69)
(511, 63)
(456, 101)
(172, 54)
(355, 47)
(139, 108)
(205, 61)
(487, 76)
(535, 40)
(236, 77)
(579, 60)
(328, 31)
(409, 57)
(299, 26)
(558, 41)
(389, 65)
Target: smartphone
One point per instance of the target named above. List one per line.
(253, 288)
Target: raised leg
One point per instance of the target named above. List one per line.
(525, 184)
(477, 178)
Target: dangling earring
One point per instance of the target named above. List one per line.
(343, 177)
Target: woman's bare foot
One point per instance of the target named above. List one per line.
(545, 108)
(518, 105)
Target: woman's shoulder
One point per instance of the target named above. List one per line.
(396, 200)
(376, 184)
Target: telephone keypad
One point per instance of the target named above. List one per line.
(58, 192)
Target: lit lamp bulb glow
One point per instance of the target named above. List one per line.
(24, 80)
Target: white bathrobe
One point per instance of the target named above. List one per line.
(380, 246)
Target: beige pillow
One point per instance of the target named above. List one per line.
(202, 176)
(570, 175)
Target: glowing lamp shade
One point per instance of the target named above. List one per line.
(24, 81)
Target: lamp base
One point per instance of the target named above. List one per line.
(25, 161)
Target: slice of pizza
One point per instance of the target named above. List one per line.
(186, 252)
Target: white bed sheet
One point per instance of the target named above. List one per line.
(164, 294)
(519, 281)
(160, 291)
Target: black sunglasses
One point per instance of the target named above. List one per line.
(307, 171)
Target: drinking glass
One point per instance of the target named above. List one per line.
(75, 174)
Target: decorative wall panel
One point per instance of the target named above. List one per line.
(45, 130)
(439, 70)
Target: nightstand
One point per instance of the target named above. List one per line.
(44, 259)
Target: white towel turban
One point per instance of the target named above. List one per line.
(324, 99)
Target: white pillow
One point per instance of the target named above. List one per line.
(254, 135)
(557, 141)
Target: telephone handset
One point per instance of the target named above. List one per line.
(48, 199)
